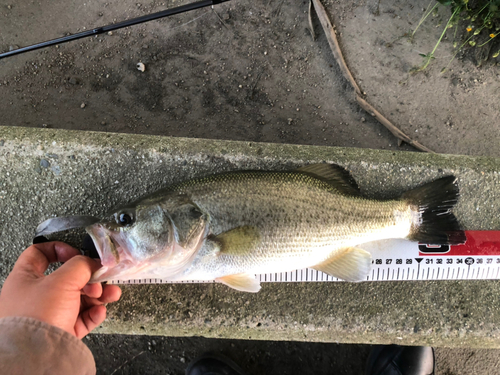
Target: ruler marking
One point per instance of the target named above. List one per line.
(456, 270)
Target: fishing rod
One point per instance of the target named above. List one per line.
(116, 26)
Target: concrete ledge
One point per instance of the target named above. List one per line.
(56, 172)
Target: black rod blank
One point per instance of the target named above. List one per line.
(115, 26)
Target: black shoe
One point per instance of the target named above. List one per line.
(400, 360)
(213, 364)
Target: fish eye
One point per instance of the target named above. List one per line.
(124, 219)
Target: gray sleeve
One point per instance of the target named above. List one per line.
(29, 346)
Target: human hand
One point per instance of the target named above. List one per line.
(63, 298)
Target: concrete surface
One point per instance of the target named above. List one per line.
(51, 173)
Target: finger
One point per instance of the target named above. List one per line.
(110, 293)
(89, 319)
(92, 290)
(75, 273)
(36, 258)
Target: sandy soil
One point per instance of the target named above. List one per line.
(243, 71)
(247, 71)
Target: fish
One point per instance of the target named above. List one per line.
(231, 226)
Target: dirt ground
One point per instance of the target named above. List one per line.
(248, 71)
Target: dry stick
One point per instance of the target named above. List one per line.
(127, 361)
(395, 131)
(334, 43)
(337, 54)
(309, 18)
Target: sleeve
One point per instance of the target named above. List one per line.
(29, 346)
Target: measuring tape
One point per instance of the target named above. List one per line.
(477, 259)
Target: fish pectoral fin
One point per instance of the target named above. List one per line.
(238, 241)
(243, 282)
(333, 174)
(349, 264)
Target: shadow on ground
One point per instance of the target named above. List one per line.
(171, 355)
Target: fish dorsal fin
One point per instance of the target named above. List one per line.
(349, 264)
(238, 241)
(334, 175)
(243, 282)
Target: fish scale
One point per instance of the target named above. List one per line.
(231, 226)
(300, 218)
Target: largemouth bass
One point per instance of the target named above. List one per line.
(229, 227)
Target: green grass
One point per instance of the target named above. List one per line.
(476, 22)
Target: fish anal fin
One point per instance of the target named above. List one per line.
(349, 264)
(243, 282)
(334, 175)
(238, 241)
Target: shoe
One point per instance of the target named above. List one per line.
(401, 360)
(213, 364)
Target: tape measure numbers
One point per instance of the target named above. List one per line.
(477, 259)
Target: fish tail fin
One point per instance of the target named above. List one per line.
(434, 223)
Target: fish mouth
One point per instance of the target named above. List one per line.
(109, 254)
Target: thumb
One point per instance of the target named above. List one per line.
(89, 319)
(75, 273)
